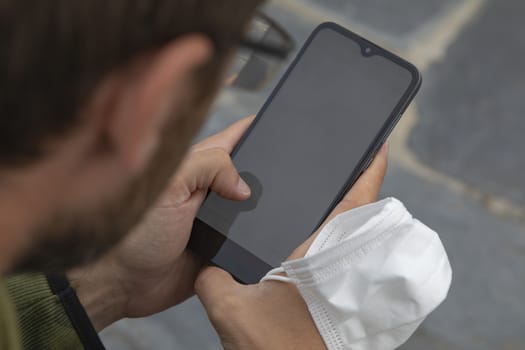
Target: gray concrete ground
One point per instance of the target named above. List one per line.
(456, 163)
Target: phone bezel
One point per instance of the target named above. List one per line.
(248, 268)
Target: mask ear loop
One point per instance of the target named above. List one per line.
(274, 275)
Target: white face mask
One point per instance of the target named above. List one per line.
(371, 277)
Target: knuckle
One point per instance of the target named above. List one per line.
(219, 155)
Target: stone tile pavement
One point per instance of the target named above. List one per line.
(457, 163)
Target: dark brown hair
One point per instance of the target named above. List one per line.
(53, 53)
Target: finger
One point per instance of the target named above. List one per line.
(228, 138)
(212, 286)
(210, 169)
(367, 188)
(365, 191)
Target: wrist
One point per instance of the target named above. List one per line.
(100, 295)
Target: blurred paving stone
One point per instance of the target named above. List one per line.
(398, 18)
(473, 105)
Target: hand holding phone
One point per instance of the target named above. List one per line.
(278, 308)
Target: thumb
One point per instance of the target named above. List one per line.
(212, 170)
(213, 286)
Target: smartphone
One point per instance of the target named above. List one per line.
(319, 130)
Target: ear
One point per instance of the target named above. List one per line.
(143, 96)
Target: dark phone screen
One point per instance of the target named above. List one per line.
(306, 144)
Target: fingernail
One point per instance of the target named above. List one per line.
(243, 187)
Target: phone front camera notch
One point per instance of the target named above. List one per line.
(367, 51)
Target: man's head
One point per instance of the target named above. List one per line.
(100, 101)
